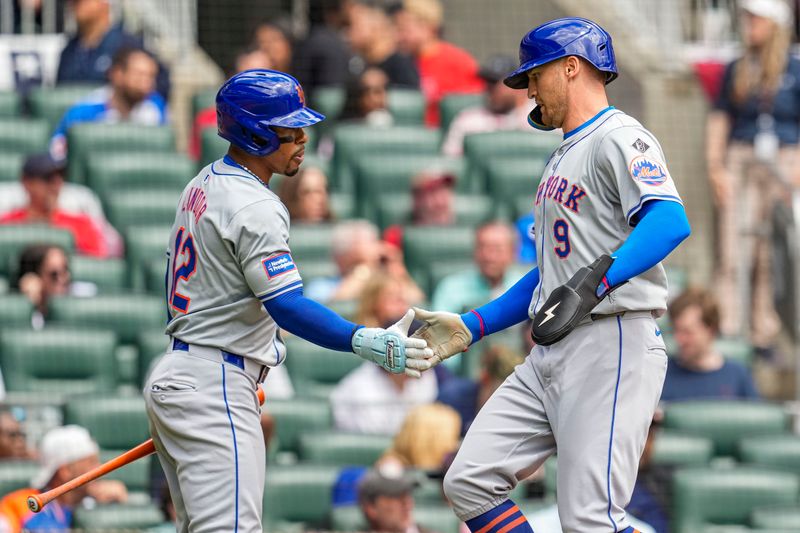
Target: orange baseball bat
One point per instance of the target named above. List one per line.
(37, 501)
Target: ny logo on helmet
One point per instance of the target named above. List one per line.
(301, 95)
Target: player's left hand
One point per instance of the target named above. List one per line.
(392, 349)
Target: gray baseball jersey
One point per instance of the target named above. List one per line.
(591, 396)
(228, 253)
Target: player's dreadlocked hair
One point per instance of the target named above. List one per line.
(760, 70)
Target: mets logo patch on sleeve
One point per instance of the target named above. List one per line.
(278, 265)
(648, 171)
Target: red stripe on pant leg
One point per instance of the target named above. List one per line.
(490, 525)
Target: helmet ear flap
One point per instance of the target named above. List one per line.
(535, 120)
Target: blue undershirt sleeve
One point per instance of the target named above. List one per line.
(661, 225)
(312, 321)
(503, 312)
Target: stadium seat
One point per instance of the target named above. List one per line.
(311, 242)
(109, 275)
(479, 148)
(725, 422)
(125, 314)
(776, 517)
(438, 270)
(24, 135)
(11, 166)
(58, 361)
(50, 103)
(87, 139)
(672, 448)
(9, 104)
(407, 106)
(154, 281)
(299, 493)
(425, 244)
(704, 496)
(15, 311)
(152, 345)
(131, 208)
(342, 205)
(510, 178)
(115, 422)
(351, 142)
(328, 101)
(118, 517)
(15, 237)
(433, 517)
(773, 451)
(736, 349)
(295, 416)
(143, 245)
(212, 146)
(310, 364)
(470, 209)
(135, 475)
(15, 475)
(343, 449)
(156, 172)
(452, 104)
(204, 99)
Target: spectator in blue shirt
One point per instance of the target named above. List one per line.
(129, 97)
(699, 370)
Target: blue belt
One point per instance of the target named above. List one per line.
(228, 357)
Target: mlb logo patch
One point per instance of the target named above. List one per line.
(278, 265)
(648, 171)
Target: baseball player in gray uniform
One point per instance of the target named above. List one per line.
(606, 213)
(231, 283)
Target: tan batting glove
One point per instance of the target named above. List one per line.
(445, 333)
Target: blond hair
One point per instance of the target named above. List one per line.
(370, 294)
(429, 11)
(760, 70)
(428, 434)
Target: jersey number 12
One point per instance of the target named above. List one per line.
(184, 246)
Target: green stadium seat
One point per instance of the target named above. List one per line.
(510, 178)
(479, 148)
(776, 517)
(109, 275)
(11, 166)
(144, 245)
(703, 496)
(352, 142)
(86, 139)
(452, 104)
(295, 416)
(157, 172)
(132, 208)
(154, 280)
(115, 422)
(438, 270)
(425, 244)
(152, 344)
(15, 237)
(299, 493)
(311, 242)
(434, 517)
(15, 475)
(9, 104)
(338, 448)
(125, 314)
(310, 364)
(204, 99)
(672, 448)
(118, 517)
(24, 135)
(15, 310)
(736, 349)
(212, 146)
(470, 209)
(677, 279)
(774, 451)
(51, 103)
(407, 106)
(328, 101)
(725, 422)
(58, 361)
(342, 205)
(135, 475)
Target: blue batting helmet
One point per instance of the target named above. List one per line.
(564, 37)
(253, 101)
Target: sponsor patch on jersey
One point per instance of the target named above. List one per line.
(647, 171)
(278, 265)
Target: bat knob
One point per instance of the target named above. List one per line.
(34, 504)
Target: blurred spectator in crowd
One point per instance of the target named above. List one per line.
(385, 496)
(495, 250)
(504, 108)
(322, 59)
(88, 54)
(65, 453)
(431, 204)
(373, 37)
(12, 438)
(273, 40)
(365, 99)
(34, 9)
(247, 59)
(42, 178)
(443, 67)
(129, 97)
(359, 254)
(752, 157)
(651, 500)
(428, 435)
(699, 370)
(360, 400)
(306, 196)
(467, 396)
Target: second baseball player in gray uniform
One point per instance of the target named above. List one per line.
(590, 386)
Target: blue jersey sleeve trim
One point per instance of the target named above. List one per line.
(648, 197)
(588, 123)
(276, 292)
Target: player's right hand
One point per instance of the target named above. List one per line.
(445, 333)
(392, 349)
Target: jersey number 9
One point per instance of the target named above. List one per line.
(561, 236)
(184, 271)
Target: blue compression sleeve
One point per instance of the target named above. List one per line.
(662, 225)
(503, 312)
(310, 320)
